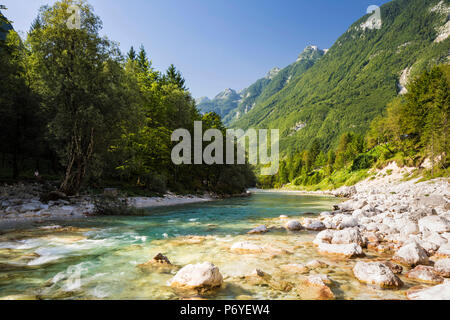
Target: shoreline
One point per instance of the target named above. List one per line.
(16, 213)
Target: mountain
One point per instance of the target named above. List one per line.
(231, 105)
(353, 82)
(222, 104)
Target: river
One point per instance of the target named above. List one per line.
(98, 257)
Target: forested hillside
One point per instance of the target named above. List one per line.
(74, 109)
(352, 84)
(413, 131)
(231, 105)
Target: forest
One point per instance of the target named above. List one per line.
(413, 128)
(77, 112)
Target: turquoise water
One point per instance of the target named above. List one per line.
(98, 258)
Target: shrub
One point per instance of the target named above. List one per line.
(362, 162)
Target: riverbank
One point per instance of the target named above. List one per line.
(21, 206)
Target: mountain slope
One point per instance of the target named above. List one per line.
(359, 75)
(231, 105)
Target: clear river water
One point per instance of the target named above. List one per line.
(99, 257)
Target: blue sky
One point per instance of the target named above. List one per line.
(216, 44)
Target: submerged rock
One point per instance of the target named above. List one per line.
(294, 268)
(411, 255)
(425, 274)
(439, 292)
(316, 264)
(258, 230)
(204, 276)
(376, 273)
(246, 247)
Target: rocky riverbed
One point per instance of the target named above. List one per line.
(386, 239)
(406, 221)
(21, 205)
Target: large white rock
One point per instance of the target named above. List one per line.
(439, 292)
(376, 273)
(426, 274)
(434, 224)
(346, 236)
(198, 276)
(347, 250)
(325, 236)
(348, 222)
(442, 267)
(411, 254)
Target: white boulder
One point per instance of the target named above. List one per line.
(198, 276)
(376, 273)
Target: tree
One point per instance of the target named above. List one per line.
(173, 76)
(21, 126)
(131, 54)
(79, 75)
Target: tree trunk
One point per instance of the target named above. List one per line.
(79, 157)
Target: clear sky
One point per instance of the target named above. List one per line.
(216, 44)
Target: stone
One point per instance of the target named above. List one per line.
(434, 224)
(246, 247)
(258, 230)
(409, 228)
(316, 264)
(294, 268)
(442, 267)
(294, 226)
(395, 268)
(425, 274)
(346, 236)
(204, 276)
(348, 250)
(345, 192)
(314, 225)
(444, 251)
(159, 263)
(325, 236)
(348, 222)
(411, 255)
(160, 258)
(439, 292)
(319, 279)
(376, 273)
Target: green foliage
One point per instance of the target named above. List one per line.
(362, 162)
(352, 84)
(231, 105)
(71, 100)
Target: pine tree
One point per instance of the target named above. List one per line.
(131, 54)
